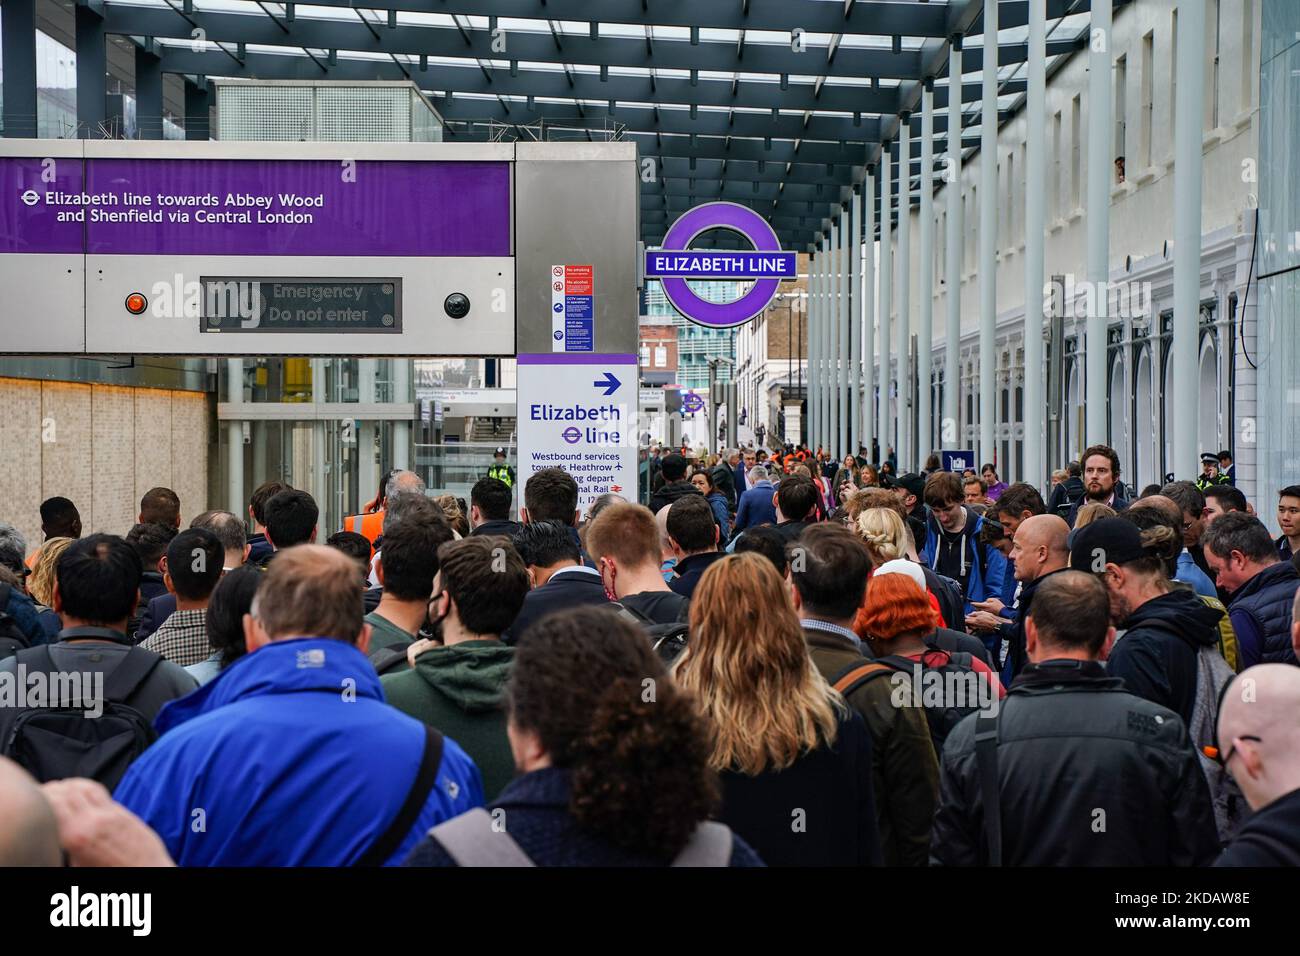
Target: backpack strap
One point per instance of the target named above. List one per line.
(388, 842)
(710, 845)
(470, 840)
(857, 674)
(385, 657)
(631, 614)
(986, 756)
(132, 671)
(942, 640)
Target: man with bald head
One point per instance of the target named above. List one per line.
(292, 757)
(1259, 744)
(1038, 549)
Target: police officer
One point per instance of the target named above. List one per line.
(500, 470)
(1210, 475)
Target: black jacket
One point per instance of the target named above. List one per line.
(1156, 657)
(155, 613)
(690, 569)
(948, 593)
(497, 526)
(670, 493)
(1064, 495)
(819, 811)
(1017, 653)
(1119, 504)
(563, 591)
(1090, 775)
(724, 479)
(1269, 838)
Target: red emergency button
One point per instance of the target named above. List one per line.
(136, 303)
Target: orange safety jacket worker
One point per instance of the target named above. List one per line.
(371, 525)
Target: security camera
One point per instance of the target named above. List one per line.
(456, 305)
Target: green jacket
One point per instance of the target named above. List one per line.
(905, 770)
(457, 691)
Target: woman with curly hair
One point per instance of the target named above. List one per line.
(613, 760)
(795, 760)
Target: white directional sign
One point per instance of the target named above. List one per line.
(579, 412)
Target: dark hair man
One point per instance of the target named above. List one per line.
(1018, 503)
(160, 506)
(1100, 465)
(1144, 800)
(291, 519)
(975, 491)
(952, 547)
(1164, 628)
(406, 568)
(796, 505)
(1191, 504)
(263, 772)
(191, 570)
(489, 508)
(230, 531)
(258, 548)
(1226, 467)
(559, 578)
(675, 484)
(97, 587)
(457, 686)
(693, 534)
(1262, 588)
(768, 542)
(550, 494)
(60, 519)
(150, 544)
(1221, 499)
(1288, 517)
(828, 582)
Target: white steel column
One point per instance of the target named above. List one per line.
(833, 328)
(925, 290)
(949, 432)
(825, 330)
(845, 397)
(1188, 105)
(886, 292)
(1099, 173)
(814, 316)
(869, 310)
(238, 503)
(904, 293)
(855, 322)
(988, 231)
(1035, 222)
(823, 320)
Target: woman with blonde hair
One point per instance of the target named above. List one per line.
(41, 586)
(1093, 511)
(883, 533)
(795, 761)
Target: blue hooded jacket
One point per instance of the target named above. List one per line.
(986, 564)
(290, 757)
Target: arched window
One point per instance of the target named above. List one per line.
(1144, 421)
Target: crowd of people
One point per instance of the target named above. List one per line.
(784, 659)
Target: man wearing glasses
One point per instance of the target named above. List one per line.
(1259, 745)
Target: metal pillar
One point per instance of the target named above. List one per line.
(988, 230)
(886, 292)
(845, 400)
(904, 292)
(196, 111)
(855, 321)
(814, 370)
(828, 325)
(836, 396)
(235, 497)
(18, 30)
(925, 317)
(1099, 173)
(949, 430)
(92, 73)
(869, 311)
(1035, 223)
(402, 457)
(148, 95)
(1188, 110)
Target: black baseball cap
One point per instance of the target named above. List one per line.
(913, 482)
(1114, 540)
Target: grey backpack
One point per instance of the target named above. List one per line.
(472, 839)
(1212, 676)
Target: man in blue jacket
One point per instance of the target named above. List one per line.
(291, 757)
(757, 505)
(952, 542)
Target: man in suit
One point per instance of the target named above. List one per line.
(559, 579)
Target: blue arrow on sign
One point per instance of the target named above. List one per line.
(610, 384)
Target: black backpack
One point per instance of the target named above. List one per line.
(1071, 494)
(944, 718)
(12, 638)
(386, 659)
(61, 740)
(668, 640)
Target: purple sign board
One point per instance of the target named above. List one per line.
(767, 264)
(238, 207)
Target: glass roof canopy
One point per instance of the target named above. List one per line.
(775, 104)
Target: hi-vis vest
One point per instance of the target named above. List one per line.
(370, 526)
(501, 473)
